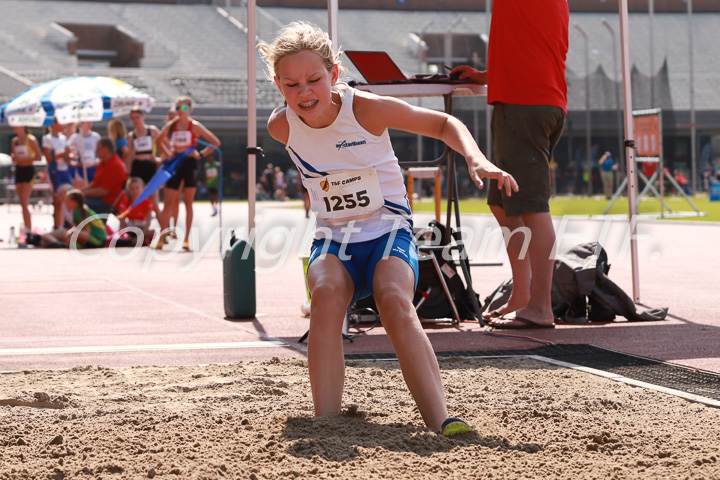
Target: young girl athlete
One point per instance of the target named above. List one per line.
(338, 138)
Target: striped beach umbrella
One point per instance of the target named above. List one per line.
(74, 99)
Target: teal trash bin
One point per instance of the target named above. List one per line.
(239, 280)
(715, 192)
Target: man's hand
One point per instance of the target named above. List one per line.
(469, 75)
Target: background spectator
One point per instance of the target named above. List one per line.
(184, 132)
(141, 215)
(24, 150)
(57, 153)
(212, 180)
(118, 133)
(109, 179)
(607, 173)
(91, 235)
(84, 147)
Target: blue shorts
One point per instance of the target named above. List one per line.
(59, 177)
(359, 259)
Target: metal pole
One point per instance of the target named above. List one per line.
(422, 69)
(651, 17)
(616, 82)
(333, 23)
(630, 147)
(693, 131)
(488, 109)
(588, 131)
(448, 48)
(252, 117)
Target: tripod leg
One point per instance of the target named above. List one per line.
(618, 192)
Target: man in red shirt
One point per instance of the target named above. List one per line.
(526, 86)
(109, 179)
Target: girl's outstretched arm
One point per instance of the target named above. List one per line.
(376, 114)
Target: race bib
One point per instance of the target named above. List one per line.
(351, 195)
(182, 140)
(88, 157)
(62, 166)
(21, 151)
(145, 144)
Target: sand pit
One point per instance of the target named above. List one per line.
(253, 421)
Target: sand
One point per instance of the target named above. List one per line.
(254, 421)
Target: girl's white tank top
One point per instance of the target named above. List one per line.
(345, 146)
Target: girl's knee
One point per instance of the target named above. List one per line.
(326, 292)
(393, 300)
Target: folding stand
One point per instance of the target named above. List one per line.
(648, 128)
(650, 186)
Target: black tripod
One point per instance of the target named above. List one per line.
(452, 239)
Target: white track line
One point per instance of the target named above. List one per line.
(269, 338)
(635, 383)
(710, 402)
(140, 348)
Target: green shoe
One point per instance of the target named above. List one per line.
(454, 426)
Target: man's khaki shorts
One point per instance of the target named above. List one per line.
(524, 137)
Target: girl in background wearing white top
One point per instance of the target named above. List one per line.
(58, 156)
(84, 146)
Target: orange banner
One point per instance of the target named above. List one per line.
(647, 135)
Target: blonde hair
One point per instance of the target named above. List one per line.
(132, 180)
(295, 38)
(76, 196)
(184, 99)
(116, 129)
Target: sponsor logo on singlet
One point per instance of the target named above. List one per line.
(345, 144)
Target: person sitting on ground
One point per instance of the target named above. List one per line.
(66, 214)
(367, 247)
(88, 230)
(109, 180)
(140, 215)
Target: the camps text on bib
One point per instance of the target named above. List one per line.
(341, 197)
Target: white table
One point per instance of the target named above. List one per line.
(426, 89)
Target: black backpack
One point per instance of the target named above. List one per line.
(582, 290)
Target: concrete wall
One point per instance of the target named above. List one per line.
(450, 5)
